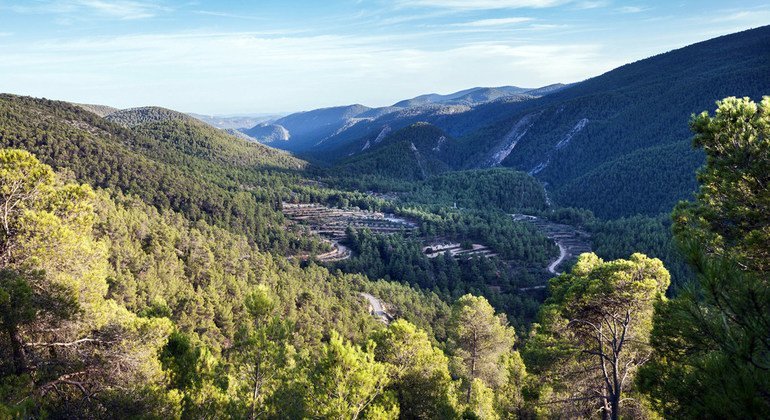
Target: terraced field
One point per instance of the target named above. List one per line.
(457, 251)
(331, 223)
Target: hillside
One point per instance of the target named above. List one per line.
(178, 165)
(326, 134)
(195, 138)
(471, 96)
(100, 110)
(412, 153)
(143, 115)
(582, 139)
(565, 138)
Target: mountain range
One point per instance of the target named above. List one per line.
(325, 128)
(606, 144)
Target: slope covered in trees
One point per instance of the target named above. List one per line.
(200, 323)
(608, 140)
(412, 153)
(143, 115)
(116, 304)
(638, 106)
(181, 173)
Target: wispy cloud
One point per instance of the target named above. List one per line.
(485, 4)
(632, 9)
(88, 9)
(592, 4)
(495, 22)
(745, 15)
(227, 15)
(224, 72)
(124, 10)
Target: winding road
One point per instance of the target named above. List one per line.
(571, 240)
(551, 267)
(556, 262)
(377, 309)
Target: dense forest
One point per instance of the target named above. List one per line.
(148, 271)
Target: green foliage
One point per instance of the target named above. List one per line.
(711, 342)
(649, 181)
(731, 210)
(143, 115)
(262, 354)
(510, 397)
(652, 236)
(503, 189)
(170, 165)
(419, 372)
(64, 257)
(593, 334)
(399, 258)
(345, 380)
(426, 310)
(518, 241)
(62, 332)
(478, 340)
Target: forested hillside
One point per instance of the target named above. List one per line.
(408, 154)
(599, 249)
(596, 144)
(180, 174)
(149, 114)
(163, 288)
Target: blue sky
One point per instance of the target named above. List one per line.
(228, 57)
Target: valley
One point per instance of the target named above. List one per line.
(597, 248)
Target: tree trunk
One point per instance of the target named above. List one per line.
(17, 346)
(614, 406)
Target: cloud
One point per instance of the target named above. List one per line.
(592, 4)
(228, 15)
(123, 10)
(495, 22)
(238, 72)
(70, 10)
(485, 4)
(632, 9)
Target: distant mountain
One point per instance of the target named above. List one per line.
(267, 133)
(618, 144)
(471, 96)
(234, 122)
(306, 128)
(327, 132)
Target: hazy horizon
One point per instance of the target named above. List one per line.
(226, 58)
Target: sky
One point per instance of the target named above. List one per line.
(278, 56)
